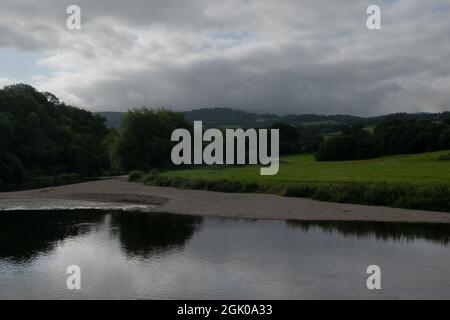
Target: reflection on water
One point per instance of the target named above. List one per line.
(439, 233)
(142, 234)
(23, 235)
(141, 255)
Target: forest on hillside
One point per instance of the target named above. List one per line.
(41, 136)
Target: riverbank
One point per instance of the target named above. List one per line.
(416, 181)
(219, 204)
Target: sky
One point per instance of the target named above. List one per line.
(285, 56)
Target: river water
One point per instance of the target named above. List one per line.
(135, 255)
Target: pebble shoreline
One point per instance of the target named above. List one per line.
(219, 204)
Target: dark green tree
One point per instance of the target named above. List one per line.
(142, 141)
(40, 135)
(336, 149)
(444, 140)
(289, 138)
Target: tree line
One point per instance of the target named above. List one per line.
(389, 137)
(44, 139)
(41, 136)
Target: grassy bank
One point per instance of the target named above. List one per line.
(407, 181)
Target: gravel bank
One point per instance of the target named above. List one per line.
(196, 202)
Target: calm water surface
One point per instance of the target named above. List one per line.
(151, 256)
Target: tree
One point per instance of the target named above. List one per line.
(142, 141)
(39, 135)
(289, 138)
(355, 144)
(6, 132)
(412, 136)
(444, 140)
(336, 149)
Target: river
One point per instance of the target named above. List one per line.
(136, 255)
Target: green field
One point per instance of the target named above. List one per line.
(417, 169)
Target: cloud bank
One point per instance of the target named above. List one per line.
(288, 56)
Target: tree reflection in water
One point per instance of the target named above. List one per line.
(439, 233)
(143, 234)
(25, 235)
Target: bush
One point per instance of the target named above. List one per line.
(426, 198)
(382, 194)
(135, 175)
(66, 178)
(299, 191)
(44, 181)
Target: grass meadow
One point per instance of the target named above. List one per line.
(417, 169)
(418, 181)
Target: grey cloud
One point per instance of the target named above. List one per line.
(285, 56)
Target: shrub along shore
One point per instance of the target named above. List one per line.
(408, 196)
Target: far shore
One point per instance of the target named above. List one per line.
(219, 204)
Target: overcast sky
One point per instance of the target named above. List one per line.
(299, 56)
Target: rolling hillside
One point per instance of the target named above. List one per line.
(224, 117)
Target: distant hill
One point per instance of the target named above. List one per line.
(112, 118)
(224, 117)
